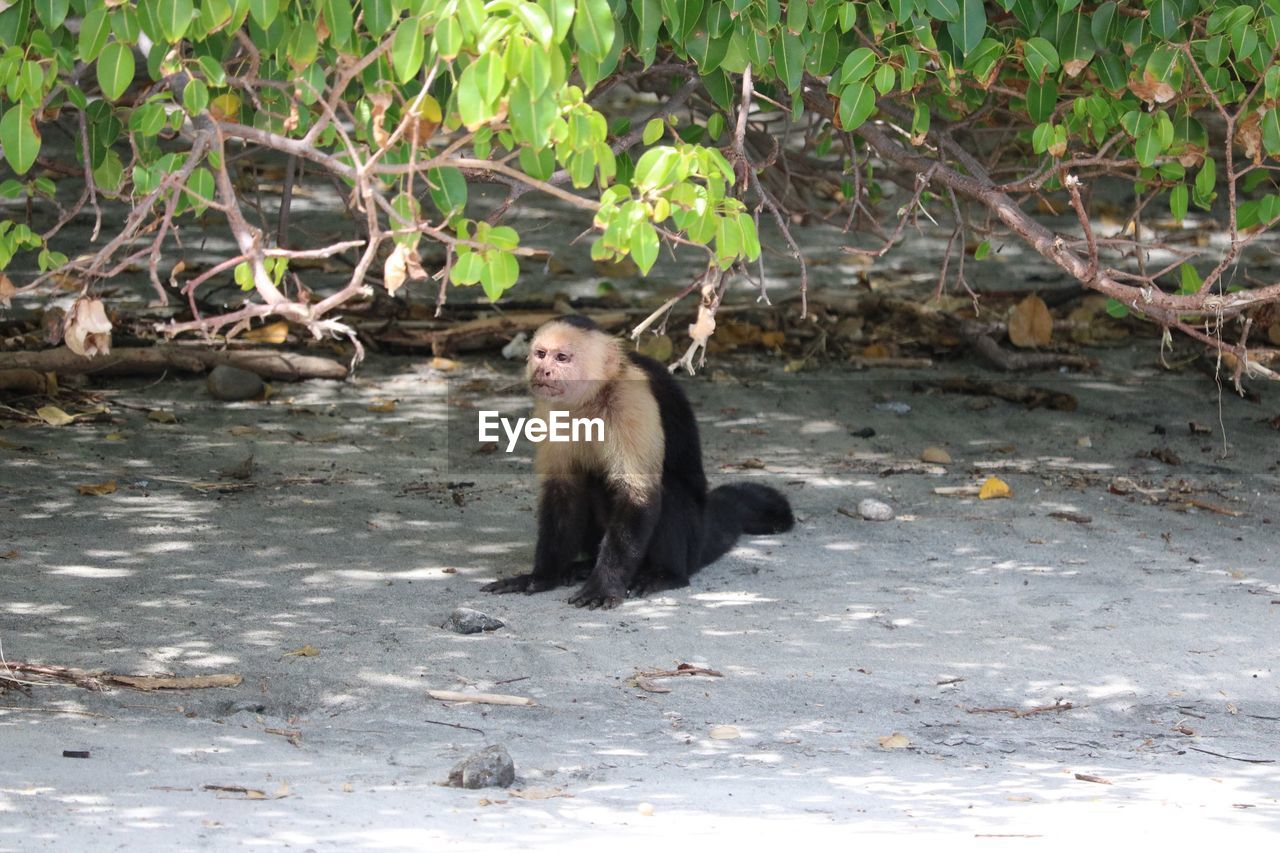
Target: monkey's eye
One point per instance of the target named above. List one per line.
(562, 357)
(540, 353)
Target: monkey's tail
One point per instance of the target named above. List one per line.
(739, 508)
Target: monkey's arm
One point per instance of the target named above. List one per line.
(564, 517)
(626, 541)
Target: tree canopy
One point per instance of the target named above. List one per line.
(764, 111)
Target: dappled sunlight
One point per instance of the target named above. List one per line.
(730, 599)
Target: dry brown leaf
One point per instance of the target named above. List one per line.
(445, 364)
(272, 333)
(54, 416)
(1249, 136)
(382, 406)
(7, 291)
(994, 487)
(724, 733)
(162, 416)
(1030, 323)
(1273, 333)
(936, 455)
(10, 555)
(875, 351)
(1073, 67)
(402, 264)
(247, 430)
(113, 436)
(1151, 89)
(86, 330)
(773, 340)
(894, 741)
(307, 651)
(97, 489)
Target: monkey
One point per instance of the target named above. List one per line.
(635, 503)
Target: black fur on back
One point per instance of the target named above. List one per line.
(579, 321)
(696, 528)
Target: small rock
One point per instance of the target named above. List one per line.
(893, 408)
(873, 510)
(1084, 441)
(491, 767)
(232, 383)
(464, 620)
(864, 432)
(936, 455)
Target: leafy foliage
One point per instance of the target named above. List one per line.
(410, 101)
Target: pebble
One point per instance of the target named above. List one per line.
(464, 620)
(893, 407)
(873, 510)
(491, 767)
(231, 384)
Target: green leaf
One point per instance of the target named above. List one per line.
(788, 60)
(943, 10)
(1147, 147)
(1271, 131)
(560, 13)
(195, 96)
(649, 16)
(115, 70)
(19, 137)
(448, 190)
(885, 78)
(378, 17)
(982, 250)
(1117, 309)
(1207, 177)
(1042, 137)
(148, 119)
(653, 131)
(531, 116)
(1039, 57)
(408, 48)
(1189, 280)
(340, 21)
(93, 34)
(201, 185)
(264, 12)
(644, 247)
(857, 103)
(304, 45)
(1179, 200)
(969, 29)
(52, 12)
(1041, 100)
(532, 17)
(467, 269)
(593, 27)
(174, 16)
(858, 65)
(1163, 17)
(501, 273)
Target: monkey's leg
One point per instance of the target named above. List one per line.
(563, 524)
(626, 540)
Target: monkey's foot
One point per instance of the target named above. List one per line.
(528, 583)
(647, 585)
(594, 596)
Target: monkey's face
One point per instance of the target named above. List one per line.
(568, 365)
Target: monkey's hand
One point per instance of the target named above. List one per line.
(594, 595)
(528, 583)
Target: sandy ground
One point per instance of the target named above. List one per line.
(1054, 680)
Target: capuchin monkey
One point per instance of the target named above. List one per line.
(636, 504)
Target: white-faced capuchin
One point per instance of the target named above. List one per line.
(636, 504)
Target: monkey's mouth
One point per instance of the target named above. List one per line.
(547, 389)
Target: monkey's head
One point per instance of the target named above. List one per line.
(570, 359)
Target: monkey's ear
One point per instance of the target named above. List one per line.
(612, 358)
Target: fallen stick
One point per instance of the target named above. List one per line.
(485, 698)
(152, 361)
(97, 680)
(1024, 712)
